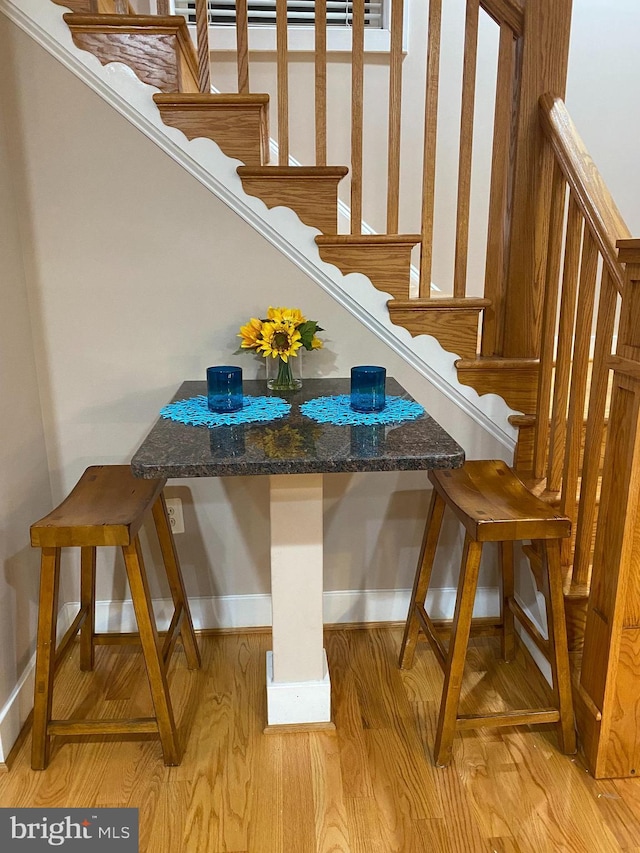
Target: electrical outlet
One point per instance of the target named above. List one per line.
(174, 511)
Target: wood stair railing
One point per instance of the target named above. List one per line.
(571, 232)
(160, 52)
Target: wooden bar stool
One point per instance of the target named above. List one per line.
(494, 506)
(107, 507)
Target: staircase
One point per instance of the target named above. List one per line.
(161, 53)
(552, 267)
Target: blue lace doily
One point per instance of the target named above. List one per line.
(337, 410)
(195, 411)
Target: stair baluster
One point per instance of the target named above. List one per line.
(282, 51)
(395, 116)
(204, 59)
(357, 104)
(242, 45)
(320, 69)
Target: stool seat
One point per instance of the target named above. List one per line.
(493, 505)
(108, 506)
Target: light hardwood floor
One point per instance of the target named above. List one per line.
(368, 787)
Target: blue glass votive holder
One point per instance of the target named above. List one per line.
(227, 441)
(367, 440)
(224, 388)
(367, 388)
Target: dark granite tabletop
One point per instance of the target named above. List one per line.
(294, 444)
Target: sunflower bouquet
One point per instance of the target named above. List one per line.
(280, 336)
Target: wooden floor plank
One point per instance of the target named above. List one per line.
(331, 819)
(368, 787)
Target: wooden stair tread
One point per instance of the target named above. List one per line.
(368, 239)
(484, 363)
(119, 21)
(531, 420)
(494, 504)
(538, 487)
(577, 591)
(106, 507)
(276, 172)
(447, 303)
(198, 99)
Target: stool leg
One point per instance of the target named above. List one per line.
(176, 582)
(506, 578)
(88, 603)
(457, 651)
(150, 647)
(422, 578)
(558, 646)
(45, 656)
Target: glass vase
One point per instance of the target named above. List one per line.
(284, 375)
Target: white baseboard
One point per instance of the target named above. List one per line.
(237, 611)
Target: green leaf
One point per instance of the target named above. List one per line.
(307, 331)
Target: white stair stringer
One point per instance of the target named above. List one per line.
(118, 85)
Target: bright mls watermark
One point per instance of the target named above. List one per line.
(80, 830)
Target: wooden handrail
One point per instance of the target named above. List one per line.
(509, 12)
(592, 196)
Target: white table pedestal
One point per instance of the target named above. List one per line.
(298, 685)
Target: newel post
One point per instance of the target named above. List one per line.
(544, 53)
(608, 701)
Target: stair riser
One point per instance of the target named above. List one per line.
(388, 267)
(241, 132)
(518, 386)
(456, 330)
(315, 200)
(159, 55)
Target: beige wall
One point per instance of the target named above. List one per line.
(602, 94)
(25, 494)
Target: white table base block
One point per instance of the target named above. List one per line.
(298, 686)
(298, 702)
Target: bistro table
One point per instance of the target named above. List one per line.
(295, 451)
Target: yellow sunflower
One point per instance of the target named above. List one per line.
(316, 343)
(279, 339)
(283, 443)
(250, 334)
(286, 315)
